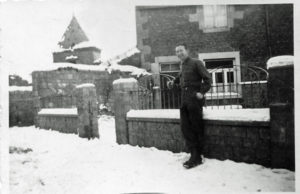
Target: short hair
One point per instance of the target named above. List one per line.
(182, 44)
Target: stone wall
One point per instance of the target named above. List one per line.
(63, 82)
(241, 141)
(85, 55)
(21, 108)
(257, 31)
(61, 123)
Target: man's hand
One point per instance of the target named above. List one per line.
(199, 96)
(170, 84)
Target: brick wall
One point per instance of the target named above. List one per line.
(240, 141)
(159, 29)
(21, 108)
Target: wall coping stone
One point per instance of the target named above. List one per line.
(207, 121)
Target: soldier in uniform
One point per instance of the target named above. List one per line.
(194, 81)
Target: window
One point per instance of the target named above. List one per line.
(169, 67)
(219, 77)
(215, 16)
(230, 78)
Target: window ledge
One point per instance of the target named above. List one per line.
(216, 29)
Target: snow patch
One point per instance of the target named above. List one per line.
(71, 57)
(20, 88)
(279, 61)
(58, 111)
(86, 85)
(262, 114)
(125, 80)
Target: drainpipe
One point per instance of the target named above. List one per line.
(268, 29)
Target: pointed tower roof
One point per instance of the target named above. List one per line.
(73, 35)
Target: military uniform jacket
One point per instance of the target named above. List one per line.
(192, 78)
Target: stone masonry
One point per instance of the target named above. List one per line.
(124, 100)
(87, 111)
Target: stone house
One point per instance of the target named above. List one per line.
(77, 61)
(231, 40)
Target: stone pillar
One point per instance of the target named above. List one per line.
(125, 98)
(281, 102)
(86, 100)
(36, 108)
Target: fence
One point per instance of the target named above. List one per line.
(227, 90)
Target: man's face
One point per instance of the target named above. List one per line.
(181, 52)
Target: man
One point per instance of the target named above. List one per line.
(194, 81)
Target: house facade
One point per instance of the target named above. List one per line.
(233, 41)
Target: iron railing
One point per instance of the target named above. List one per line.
(232, 93)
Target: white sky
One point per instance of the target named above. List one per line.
(31, 29)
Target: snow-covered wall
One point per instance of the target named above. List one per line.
(239, 135)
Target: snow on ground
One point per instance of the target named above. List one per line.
(65, 163)
(210, 113)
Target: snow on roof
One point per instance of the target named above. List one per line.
(128, 68)
(58, 111)
(109, 67)
(124, 80)
(85, 44)
(280, 61)
(209, 114)
(85, 85)
(84, 67)
(20, 88)
(126, 54)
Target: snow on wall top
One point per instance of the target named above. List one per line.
(280, 61)
(124, 80)
(20, 88)
(58, 111)
(71, 57)
(85, 85)
(109, 67)
(209, 114)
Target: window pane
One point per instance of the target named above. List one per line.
(165, 67)
(221, 16)
(230, 78)
(175, 67)
(208, 16)
(219, 77)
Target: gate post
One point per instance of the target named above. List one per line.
(86, 100)
(281, 102)
(125, 98)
